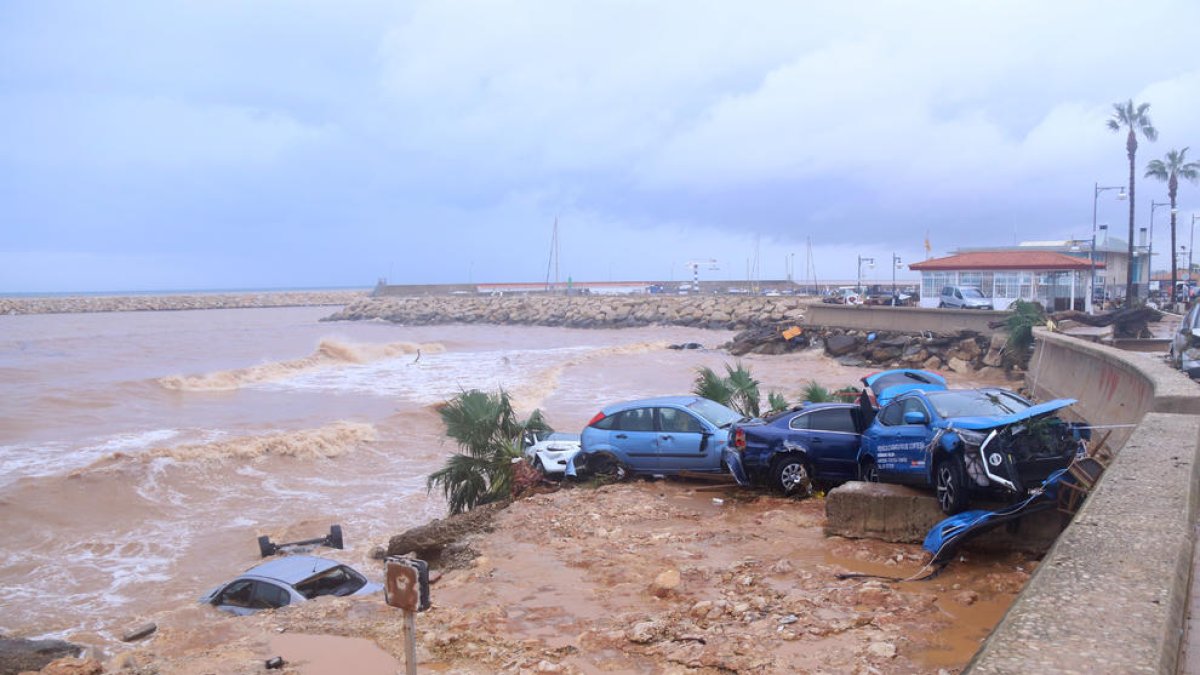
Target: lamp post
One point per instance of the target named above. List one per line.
(895, 266)
(1191, 246)
(1096, 190)
(870, 263)
(1154, 206)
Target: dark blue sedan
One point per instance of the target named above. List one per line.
(818, 442)
(965, 441)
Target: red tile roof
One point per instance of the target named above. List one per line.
(1005, 260)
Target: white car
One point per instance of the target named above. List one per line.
(551, 453)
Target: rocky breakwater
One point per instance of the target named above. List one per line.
(152, 303)
(714, 312)
(961, 352)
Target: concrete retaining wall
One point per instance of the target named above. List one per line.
(1111, 595)
(902, 319)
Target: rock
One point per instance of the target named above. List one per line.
(701, 609)
(840, 345)
(970, 349)
(994, 358)
(932, 363)
(21, 655)
(69, 665)
(545, 666)
(853, 360)
(960, 366)
(139, 632)
(665, 583)
(884, 650)
(965, 597)
(644, 632)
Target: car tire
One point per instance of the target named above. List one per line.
(608, 467)
(541, 468)
(941, 305)
(335, 537)
(265, 547)
(950, 484)
(790, 475)
(868, 472)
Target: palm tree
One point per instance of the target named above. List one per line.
(1136, 120)
(489, 437)
(815, 393)
(738, 389)
(1170, 168)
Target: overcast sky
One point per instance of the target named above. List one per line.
(253, 143)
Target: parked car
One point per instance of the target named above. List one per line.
(1185, 345)
(287, 580)
(788, 452)
(846, 295)
(888, 384)
(968, 441)
(550, 453)
(657, 436)
(964, 297)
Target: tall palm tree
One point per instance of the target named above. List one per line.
(1171, 168)
(489, 437)
(1136, 120)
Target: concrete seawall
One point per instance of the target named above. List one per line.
(904, 319)
(1111, 595)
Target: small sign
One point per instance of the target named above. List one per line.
(407, 585)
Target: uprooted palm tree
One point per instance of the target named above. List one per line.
(1020, 323)
(738, 389)
(1170, 169)
(1136, 120)
(489, 437)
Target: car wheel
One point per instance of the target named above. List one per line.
(951, 484)
(791, 476)
(868, 472)
(541, 468)
(607, 466)
(335, 537)
(941, 305)
(265, 547)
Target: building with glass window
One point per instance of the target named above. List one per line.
(1056, 280)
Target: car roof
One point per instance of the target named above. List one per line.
(644, 402)
(292, 569)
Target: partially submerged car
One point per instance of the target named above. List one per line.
(287, 580)
(656, 436)
(964, 442)
(1185, 344)
(788, 452)
(888, 384)
(549, 453)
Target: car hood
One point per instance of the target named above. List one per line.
(991, 422)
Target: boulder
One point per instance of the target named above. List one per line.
(22, 655)
(960, 366)
(932, 363)
(840, 345)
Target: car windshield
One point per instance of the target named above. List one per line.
(717, 414)
(340, 580)
(971, 293)
(976, 403)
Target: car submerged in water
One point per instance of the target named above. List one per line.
(664, 436)
(966, 442)
(286, 581)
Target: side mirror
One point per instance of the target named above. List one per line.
(915, 417)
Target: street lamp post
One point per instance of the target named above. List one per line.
(895, 266)
(1191, 247)
(870, 263)
(1096, 190)
(1154, 206)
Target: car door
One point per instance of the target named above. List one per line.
(684, 443)
(907, 446)
(634, 439)
(833, 441)
(246, 596)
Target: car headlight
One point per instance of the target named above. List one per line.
(970, 437)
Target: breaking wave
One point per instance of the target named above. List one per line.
(533, 391)
(329, 441)
(329, 353)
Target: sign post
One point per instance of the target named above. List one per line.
(408, 589)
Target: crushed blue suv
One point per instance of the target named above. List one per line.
(968, 442)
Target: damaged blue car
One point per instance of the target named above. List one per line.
(968, 442)
(788, 452)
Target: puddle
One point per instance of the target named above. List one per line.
(332, 655)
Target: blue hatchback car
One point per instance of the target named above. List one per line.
(657, 436)
(966, 441)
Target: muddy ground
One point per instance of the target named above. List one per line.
(639, 577)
